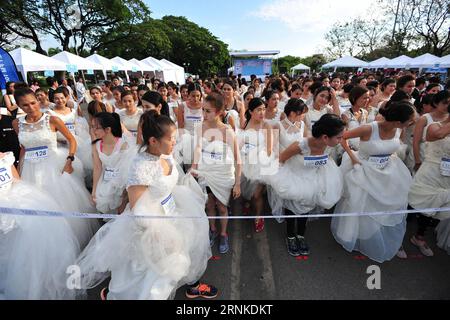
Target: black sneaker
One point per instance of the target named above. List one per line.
(202, 290)
(212, 237)
(292, 246)
(303, 247)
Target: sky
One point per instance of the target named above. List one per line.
(295, 27)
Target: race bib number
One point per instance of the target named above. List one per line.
(380, 161)
(168, 205)
(194, 119)
(212, 155)
(173, 105)
(248, 147)
(110, 173)
(71, 127)
(37, 153)
(445, 167)
(5, 177)
(315, 161)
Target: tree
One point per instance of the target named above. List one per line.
(411, 27)
(285, 63)
(419, 24)
(53, 51)
(150, 35)
(315, 62)
(401, 15)
(174, 38)
(432, 24)
(22, 18)
(195, 45)
(94, 16)
(368, 34)
(32, 18)
(356, 38)
(342, 41)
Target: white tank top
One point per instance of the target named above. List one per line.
(192, 118)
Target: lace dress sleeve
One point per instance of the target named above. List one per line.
(143, 172)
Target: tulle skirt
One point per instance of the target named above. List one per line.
(219, 178)
(430, 189)
(150, 258)
(67, 190)
(303, 189)
(109, 193)
(35, 252)
(257, 167)
(368, 189)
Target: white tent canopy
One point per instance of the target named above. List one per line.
(126, 65)
(379, 63)
(426, 60)
(171, 63)
(172, 72)
(27, 61)
(168, 71)
(142, 65)
(106, 63)
(154, 62)
(399, 62)
(444, 62)
(300, 66)
(347, 61)
(81, 63)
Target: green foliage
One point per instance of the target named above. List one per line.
(195, 45)
(113, 28)
(53, 51)
(174, 38)
(285, 63)
(314, 62)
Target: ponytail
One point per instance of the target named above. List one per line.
(109, 120)
(154, 125)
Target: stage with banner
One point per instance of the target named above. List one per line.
(252, 66)
(247, 63)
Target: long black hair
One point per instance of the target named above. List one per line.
(329, 124)
(397, 111)
(109, 120)
(154, 125)
(252, 105)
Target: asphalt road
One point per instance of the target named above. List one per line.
(259, 267)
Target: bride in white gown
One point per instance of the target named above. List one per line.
(150, 258)
(292, 129)
(112, 160)
(431, 186)
(375, 179)
(34, 251)
(308, 179)
(50, 168)
(69, 117)
(217, 164)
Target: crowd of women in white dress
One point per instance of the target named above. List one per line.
(311, 145)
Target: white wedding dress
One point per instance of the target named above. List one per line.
(150, 258)
(35, 251)
(380, 183)
(42, 166)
